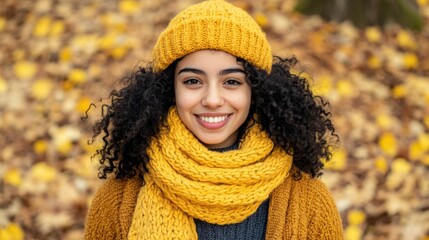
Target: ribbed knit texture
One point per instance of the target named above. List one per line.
(186, 181)
(252, 228)
(212, 24)
(298, 210)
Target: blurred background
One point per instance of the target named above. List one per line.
(368, 58)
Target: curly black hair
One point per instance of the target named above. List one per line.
(287, 110)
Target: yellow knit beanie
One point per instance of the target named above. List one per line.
(217, 25)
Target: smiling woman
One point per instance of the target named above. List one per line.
(212, 96)
(214, 140)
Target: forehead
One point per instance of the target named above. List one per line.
(208, 60)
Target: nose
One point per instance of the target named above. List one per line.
(213, 97)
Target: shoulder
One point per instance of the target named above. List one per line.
(110, 193)
(313, 193)
(312, 188)
(111, 208)
(303, 208)
(324, 218)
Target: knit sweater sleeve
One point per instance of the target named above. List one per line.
(111, 210)
(324, 222)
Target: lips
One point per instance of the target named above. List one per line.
(212, 122)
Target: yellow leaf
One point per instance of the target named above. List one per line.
(322, 86)
(107, 42)
(423, 3)
(65, 54)
(77, 76)
(356, 217)
(129, 6)
(400, 171)
(405, 40)
(3, 85)
(410, 61)
(43, 26)
(25, 69)
(83, 104)
(118, 52)
(426, 121)
(15, 232)
(415, 151)
(338, 161)
(65, 147)
(373, 34)
(345, 88)
(399, 91)
(423, 140)
(4, 234)
(57, 28)
(13, 177)
(41, 89)
(374, 62)
(388, 144)
(43, 172)
(2, 23)
(381, 164)
(401, 166)
(384, 121)
(40, 146)
(353, 232)
(261, 19)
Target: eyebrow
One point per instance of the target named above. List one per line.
(222, 72)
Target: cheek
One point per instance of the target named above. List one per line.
(184, 99)
(242, 100)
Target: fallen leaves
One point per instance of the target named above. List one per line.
(41, 88)
(25, 69)
(59, 57)
(353, 231)
(11, 232)
(13, 177)
(388, 144)
(373, 34)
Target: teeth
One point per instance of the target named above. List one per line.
(213, 119)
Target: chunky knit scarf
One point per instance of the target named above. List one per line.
(186, 181)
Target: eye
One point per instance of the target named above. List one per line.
(191, 81)
(232, 82)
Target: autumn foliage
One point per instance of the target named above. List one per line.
(58, 57)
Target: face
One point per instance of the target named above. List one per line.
(212, 96)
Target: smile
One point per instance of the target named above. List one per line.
(217, 119)
(213, 122)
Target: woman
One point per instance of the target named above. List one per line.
(214, 141)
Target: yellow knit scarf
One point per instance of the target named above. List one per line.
(187, 181)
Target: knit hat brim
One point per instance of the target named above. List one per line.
(238, 36)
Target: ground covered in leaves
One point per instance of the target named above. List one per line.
(58, 57)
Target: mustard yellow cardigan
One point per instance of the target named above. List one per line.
(301, 209)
